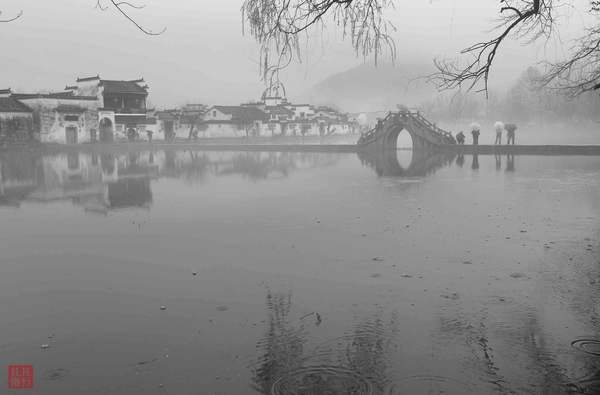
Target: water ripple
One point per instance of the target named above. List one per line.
(427, 384)
(588, 346)
(324, 380)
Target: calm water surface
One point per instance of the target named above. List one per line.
(181, 272)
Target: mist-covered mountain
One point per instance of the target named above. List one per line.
(370, 88)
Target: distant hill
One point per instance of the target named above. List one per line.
(370, 88)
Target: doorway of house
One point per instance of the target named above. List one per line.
(71, 134)
(106, 130)
(169, 133)
(132, 134)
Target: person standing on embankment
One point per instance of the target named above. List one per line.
(499, 127)
(510, 133)
(475, 128)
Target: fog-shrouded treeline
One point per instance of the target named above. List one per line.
(524, 101)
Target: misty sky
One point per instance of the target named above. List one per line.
(204, 57)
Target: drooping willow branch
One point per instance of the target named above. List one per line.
(277, 25)
(521, 18)
(122, 8)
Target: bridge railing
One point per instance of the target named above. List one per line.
(371, 135)
(417, 115)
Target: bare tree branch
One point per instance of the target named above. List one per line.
(126, 3)
(100, 6)
(120, 6)
(531, 18)
(11, 19)
(581, 72)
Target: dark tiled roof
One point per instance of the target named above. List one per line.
(9, 104)
(279, 110)
(70, 88)
(59, 95)
(69, 108)
(167, 115)
(88, 78)
(131, 119)
(243, 113)
(5, 91)
(113, 86)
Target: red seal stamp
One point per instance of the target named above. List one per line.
(20, 377)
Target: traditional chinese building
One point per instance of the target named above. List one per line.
(234, 121)
(181, 123)
(122, 112)
(16, 120)
(91, 110)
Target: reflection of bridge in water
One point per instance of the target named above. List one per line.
(423, 162)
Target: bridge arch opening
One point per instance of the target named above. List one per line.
(404, 148)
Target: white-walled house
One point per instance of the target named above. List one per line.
(92, 110)
(62, 118)
(182, 123)
(234, 121)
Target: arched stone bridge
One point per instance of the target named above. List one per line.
(424, 134)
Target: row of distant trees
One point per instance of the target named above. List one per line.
(525, 100)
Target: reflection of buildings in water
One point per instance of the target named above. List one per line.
(100, 182)
(130, 192)
(128, 185)
(423, 162)
(95, 183)
(258, 165)
(334, 366)
(71, 176)
(19, 175)
(195, 166)
(191, 166)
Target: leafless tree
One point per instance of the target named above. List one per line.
(277, 25)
